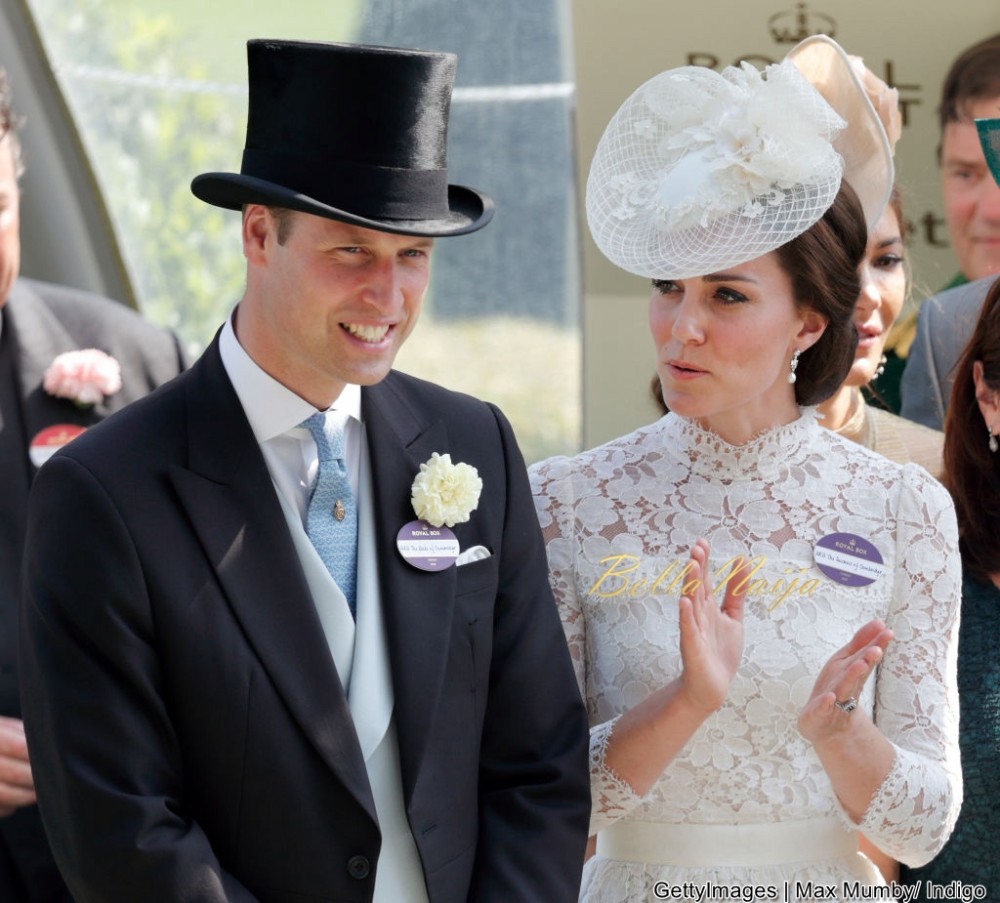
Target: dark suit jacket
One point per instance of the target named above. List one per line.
(944, 327)
(41, 321)
(192, 738)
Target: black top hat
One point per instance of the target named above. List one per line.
(353, 133)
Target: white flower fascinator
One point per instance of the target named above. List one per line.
(701, 170)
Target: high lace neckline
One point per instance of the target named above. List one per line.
(763, 456)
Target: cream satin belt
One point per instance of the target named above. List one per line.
(772, 843)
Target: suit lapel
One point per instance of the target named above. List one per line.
(417, 605)
(39, 337)
(232, 503)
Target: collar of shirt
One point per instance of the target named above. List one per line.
(275, 412)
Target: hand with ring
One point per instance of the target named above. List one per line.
(838, 687)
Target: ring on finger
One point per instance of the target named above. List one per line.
(846, 705)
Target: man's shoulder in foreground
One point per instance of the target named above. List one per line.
(405, 385)
(402, 396)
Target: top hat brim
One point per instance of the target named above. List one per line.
(468, 209)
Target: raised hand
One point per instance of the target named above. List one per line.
(841, 680)
(647, 737)
(711, 635)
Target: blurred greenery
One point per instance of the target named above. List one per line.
(147, 142)
(161, 99)
(201, 24)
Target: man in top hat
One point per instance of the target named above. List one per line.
(263, 660)
(47, 330)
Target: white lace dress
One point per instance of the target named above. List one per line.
(747, 804)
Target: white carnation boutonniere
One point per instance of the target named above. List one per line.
(85, 377)
(445, 494)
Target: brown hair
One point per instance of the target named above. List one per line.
(896, 205)
(10, 123)
(822, 264)
(971, 470)
(285, 219)
(973, 75)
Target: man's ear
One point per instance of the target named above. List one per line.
(258, 230)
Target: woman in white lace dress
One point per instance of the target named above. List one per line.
(716, 777)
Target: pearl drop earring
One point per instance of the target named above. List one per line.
(792, 364)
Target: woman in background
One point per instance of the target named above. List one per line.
(884, 284)
(972, 474)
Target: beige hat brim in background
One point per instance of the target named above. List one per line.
(868, 166)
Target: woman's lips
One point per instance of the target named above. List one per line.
(682, 370)
(868, 339)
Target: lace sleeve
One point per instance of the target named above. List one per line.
(912, 814)
(612, 795)
(552, 487)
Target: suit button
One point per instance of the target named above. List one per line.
(359, 867)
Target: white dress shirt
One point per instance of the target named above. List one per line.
(275, 412)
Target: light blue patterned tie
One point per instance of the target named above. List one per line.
(332, 518)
